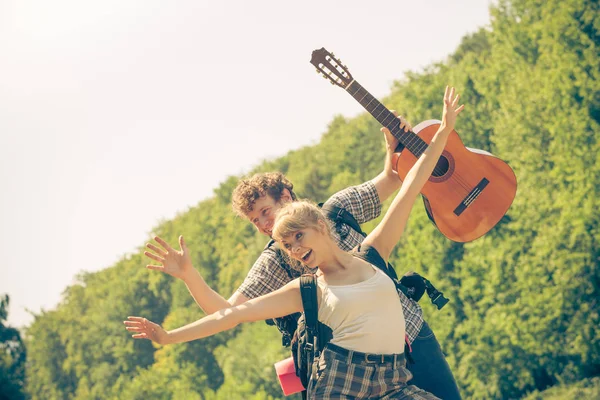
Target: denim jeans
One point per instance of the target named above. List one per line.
(431, 371)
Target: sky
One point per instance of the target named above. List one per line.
(116, 115)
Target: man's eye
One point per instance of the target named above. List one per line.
(266, 211)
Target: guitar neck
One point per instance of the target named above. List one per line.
(411, 141)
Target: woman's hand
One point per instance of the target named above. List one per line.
(176, 263)
(145, 329)
(451, 110)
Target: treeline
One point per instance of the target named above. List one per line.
(524, 308)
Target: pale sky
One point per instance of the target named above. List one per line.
(115, 115)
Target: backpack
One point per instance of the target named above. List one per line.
(311, 335)
(411, 284)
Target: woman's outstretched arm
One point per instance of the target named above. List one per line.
(279, 303)
(389, 231)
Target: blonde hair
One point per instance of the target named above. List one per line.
(296, 216)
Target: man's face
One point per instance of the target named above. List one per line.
(263, 213)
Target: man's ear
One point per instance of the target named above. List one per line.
(285, 197)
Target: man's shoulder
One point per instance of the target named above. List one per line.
(352, 194)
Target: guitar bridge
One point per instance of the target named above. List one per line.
(471, 197)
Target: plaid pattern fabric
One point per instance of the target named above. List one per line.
(337, 377)
(272, 270)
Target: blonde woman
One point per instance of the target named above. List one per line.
(365, 357)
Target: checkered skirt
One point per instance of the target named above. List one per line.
(339, 376)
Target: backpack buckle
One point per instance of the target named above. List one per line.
(308, 347)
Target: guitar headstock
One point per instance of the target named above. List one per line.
(331, 67)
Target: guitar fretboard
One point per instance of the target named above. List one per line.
(409, 140)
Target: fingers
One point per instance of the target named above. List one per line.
(451, 99)
(139, 325)
(140, 336)
(154, 257)
(455, 101)
(156, 267)
(405, 125)
(164, 244)
(157, 250)
(182, 243)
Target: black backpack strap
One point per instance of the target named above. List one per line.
(411, 284)
(269, 246)
(372, 256)
(338, 214)
(308, 291)
(286, 325)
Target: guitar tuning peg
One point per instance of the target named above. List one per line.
(324, 76)
(332, 82)
(318, 71)
(332, 55)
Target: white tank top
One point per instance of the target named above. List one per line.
(365, 316)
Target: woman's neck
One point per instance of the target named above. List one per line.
(335, 259)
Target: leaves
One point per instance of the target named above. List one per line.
(523, 312)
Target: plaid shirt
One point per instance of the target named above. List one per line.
(272, 271)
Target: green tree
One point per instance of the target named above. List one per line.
(12, 357)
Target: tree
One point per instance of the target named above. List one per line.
(12, 357)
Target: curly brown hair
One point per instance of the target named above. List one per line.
(250, 189)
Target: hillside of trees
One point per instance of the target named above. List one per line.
(523, 320)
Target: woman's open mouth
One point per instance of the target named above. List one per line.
(306, 255)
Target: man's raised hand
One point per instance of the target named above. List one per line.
(176, 263)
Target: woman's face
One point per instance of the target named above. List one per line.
(306, 246)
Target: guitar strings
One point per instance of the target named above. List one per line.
(421, 147)
(455, 177)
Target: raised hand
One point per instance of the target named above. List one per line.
(451, 108)
(145, 329)
(176, 263)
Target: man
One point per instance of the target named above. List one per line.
(258, 199)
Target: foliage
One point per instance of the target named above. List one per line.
(524, 308)
(12, 357)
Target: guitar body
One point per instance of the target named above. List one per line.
(469, 190)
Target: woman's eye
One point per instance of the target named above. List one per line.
(298, 235)
(287, 246)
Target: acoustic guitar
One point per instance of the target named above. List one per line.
(469, 190)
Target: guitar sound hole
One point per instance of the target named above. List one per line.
(441, 167)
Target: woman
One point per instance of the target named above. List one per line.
(356, 300)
